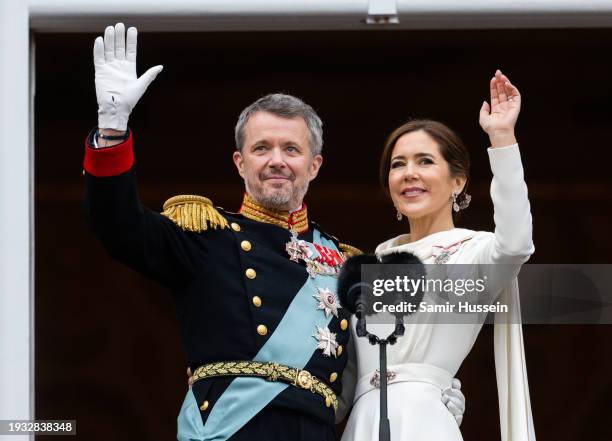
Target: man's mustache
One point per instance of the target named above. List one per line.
(265, 176)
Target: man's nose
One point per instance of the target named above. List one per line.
(276, 158)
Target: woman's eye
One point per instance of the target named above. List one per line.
(426, 161)
(396, 164)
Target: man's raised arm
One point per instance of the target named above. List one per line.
(141, 238)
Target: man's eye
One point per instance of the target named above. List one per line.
(292, 148)
(260, 147)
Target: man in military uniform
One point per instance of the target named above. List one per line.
(259, 283)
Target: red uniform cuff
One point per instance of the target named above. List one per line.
(109, 161)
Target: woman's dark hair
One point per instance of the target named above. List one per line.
(451, 148)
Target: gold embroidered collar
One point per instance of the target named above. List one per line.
(296, 220)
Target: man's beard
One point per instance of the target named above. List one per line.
(285, 198)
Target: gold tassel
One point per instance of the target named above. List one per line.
(350, 250)
(193, 213)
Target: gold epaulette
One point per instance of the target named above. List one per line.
(193, 213)
(350, 250)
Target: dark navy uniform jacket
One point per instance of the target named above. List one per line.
(223, 314)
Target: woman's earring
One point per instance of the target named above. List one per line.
(457, 206)
(399, 215)
(465, 202)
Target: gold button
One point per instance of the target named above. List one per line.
(204, 406)
(245, 245)
(235, 226)
(257, 301)
(327, 401)
(333, 377)
(343, 324)
(250, 273)
(262, 330)
(339, 350)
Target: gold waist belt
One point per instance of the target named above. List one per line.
(271, 372)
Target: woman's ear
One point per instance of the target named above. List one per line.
(459, 183)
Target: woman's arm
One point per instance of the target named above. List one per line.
(512, 213)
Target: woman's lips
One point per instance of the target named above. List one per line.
(412, 192)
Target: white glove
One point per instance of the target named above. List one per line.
(455, 400)
(118, 89)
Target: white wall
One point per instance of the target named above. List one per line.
(16, 361)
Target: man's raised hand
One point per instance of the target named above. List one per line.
(118, 88)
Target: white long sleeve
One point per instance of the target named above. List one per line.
(512, 244)
(512, 212)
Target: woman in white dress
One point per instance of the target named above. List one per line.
(425, 168)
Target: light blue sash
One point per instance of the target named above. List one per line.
(291, 344)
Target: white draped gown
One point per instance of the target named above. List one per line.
(428, 356)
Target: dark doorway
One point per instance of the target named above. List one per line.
(107, 347)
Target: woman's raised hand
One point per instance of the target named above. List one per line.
(499, 118)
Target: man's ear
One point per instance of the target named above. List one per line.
(317, 161)
(239, 162)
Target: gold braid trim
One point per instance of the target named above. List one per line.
(271, 372)
(350, 250)
(297, 220)
(282, 220)
(193, 213)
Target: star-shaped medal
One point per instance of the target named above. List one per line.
(327, 341)
(328, 301)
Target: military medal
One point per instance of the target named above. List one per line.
(327, 341)
(328, 301)
(313, 268)
(293, 248)
(318, 259)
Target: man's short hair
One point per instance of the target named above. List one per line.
(284, 106)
